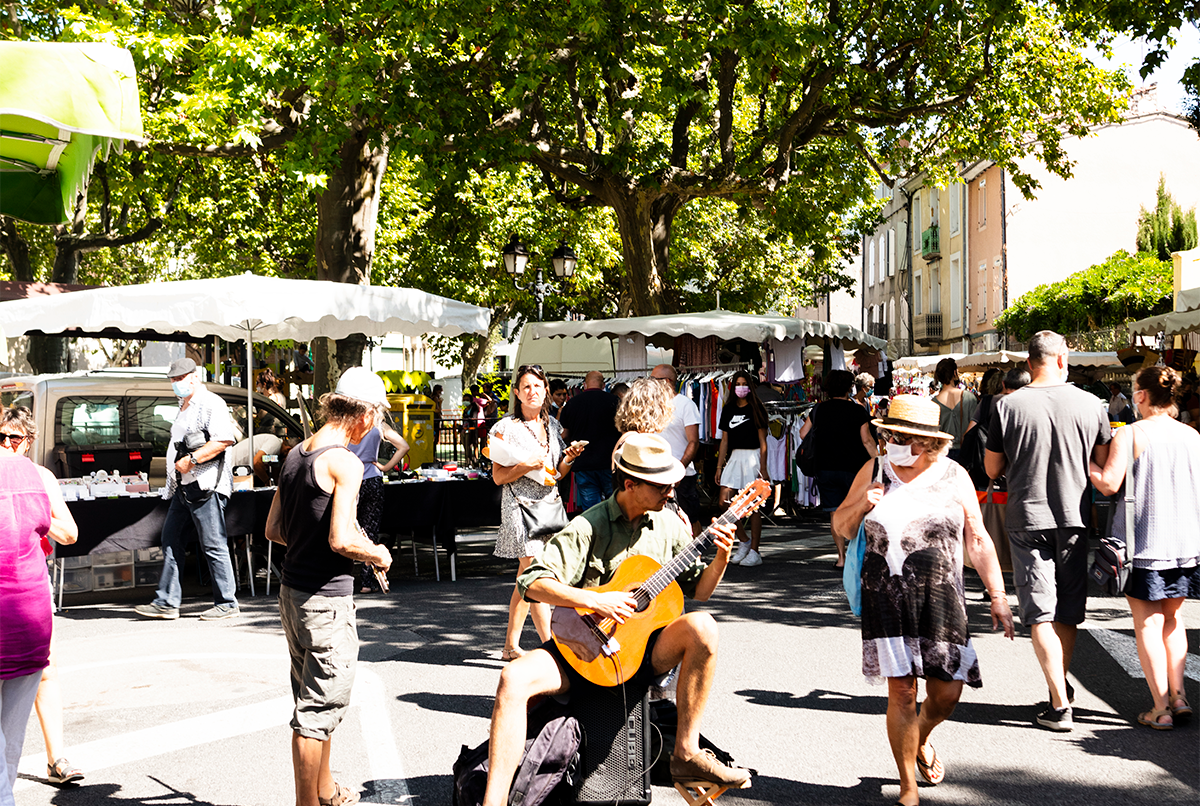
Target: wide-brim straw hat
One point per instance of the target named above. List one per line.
(648, 457)
(913, 414)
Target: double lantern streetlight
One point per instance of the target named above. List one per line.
(516, 259)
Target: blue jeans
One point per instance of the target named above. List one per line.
(208, 521)
(592, 487)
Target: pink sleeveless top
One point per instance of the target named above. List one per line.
(24, 583)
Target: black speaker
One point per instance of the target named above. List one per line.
(615, 757)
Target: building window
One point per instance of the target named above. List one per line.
(892, 318)
(891, 252)
(997, 271)
(954, 191)
(935, 290)
(934, 206)
(916, 214)
(871, 262)
(956, 291)
(981, 292)
(917, 290)
(982, 203)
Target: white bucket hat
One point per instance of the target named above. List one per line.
(362, 384)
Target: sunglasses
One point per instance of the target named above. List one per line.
(897, 439)
(662, 488)
(521, 370)
(14, 440)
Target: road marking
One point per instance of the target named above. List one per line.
(369, 695)
(1123, 649)
(387, 771)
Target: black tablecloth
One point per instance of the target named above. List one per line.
(422, 509)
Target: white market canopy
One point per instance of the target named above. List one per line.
(246, 305)
(725, 324)
(1169, 324)
(974, 362)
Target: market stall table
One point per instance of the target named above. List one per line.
(434, 508)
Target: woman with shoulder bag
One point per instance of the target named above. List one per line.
(742, 458)
(956, 406)
(1166, 542)
(914, 615)
(527, 503)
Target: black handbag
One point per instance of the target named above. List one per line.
(1112, 562)
(542, 516)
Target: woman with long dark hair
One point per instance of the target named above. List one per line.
(529, 430)
(743, 457)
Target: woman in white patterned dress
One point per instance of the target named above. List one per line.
(529, 428)
(914, 617)
(1166, 546)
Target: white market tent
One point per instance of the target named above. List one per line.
(1175, 323)
(725, 324)
(974, 362)
(244, 306)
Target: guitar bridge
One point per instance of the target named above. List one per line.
(610, 648)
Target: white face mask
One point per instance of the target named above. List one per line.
(183, 388)
(902, 455)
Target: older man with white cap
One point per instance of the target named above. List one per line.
(314, 514)
(585, 555)
(199, 483)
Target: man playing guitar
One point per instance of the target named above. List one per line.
(585, 555)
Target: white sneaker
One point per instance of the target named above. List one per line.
(751, 559)
(739, 553)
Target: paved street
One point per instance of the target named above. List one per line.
(188, 712)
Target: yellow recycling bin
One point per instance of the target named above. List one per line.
(413, 415)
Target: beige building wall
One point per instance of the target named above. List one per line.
(1078, 222)
(985, 247)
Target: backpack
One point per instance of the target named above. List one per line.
(549, 766)
(974, 445)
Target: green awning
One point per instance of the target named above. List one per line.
(61, 104)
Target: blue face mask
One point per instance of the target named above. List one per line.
(182, 388)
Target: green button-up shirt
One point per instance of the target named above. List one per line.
(586, 553)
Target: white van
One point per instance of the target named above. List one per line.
(119, 419)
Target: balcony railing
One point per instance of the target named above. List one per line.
(878, 329)
(927, 328)
(931, 248)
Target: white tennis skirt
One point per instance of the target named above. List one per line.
(741, 468)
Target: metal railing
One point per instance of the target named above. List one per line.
(927, 328)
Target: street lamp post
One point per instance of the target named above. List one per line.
(516, 259)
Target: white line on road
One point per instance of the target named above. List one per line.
(369, 695)
(1123, 649)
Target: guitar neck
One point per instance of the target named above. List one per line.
(659, 581)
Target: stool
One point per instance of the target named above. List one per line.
(703, 793)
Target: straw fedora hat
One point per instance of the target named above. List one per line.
(648, 457)
(913, 414)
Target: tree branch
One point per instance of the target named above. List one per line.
(726, 84)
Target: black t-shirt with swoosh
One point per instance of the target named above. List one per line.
(738, 422)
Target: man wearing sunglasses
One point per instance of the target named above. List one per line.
(586, 555)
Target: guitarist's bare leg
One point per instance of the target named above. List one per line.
(691, 641)
(525, 678)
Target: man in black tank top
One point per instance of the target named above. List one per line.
(313, 514)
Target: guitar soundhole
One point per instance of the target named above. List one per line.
(643, 601)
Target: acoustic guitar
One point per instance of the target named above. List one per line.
(607, 653)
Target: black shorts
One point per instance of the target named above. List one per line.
(635, 687)
(687, 495)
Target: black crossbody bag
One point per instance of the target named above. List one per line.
(1113, 563)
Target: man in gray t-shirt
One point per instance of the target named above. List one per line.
(1043, 436)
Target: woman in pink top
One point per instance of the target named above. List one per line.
(24, 601)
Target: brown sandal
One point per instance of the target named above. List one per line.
(1150, 719)
(1181, 711)
(342, 796)
(511, 654)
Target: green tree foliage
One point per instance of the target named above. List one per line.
(647, 108)
(688, 149)
(1122, 288)
(1166, 228)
